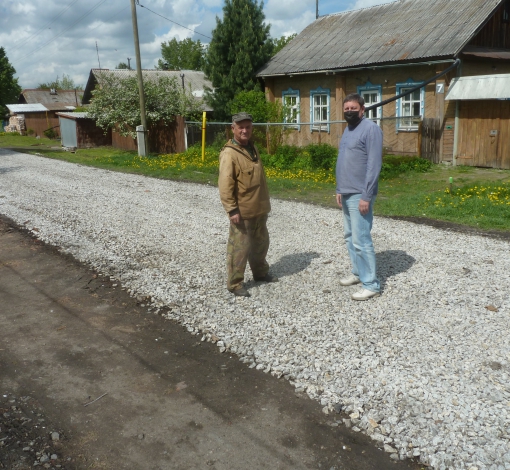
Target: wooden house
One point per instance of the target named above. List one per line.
(385, 50)
(167, 138)
(37, 109)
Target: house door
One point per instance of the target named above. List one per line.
(484, 134)
(431, 139)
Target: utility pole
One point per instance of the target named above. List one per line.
(141, 133)
(316, 9)
(129, 63)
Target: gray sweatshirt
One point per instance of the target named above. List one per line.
(359, 160)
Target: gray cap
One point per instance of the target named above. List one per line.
(241, 117)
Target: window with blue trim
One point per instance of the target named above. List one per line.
(410, 108)
(291, 105)
(319, 108)
(372, 94)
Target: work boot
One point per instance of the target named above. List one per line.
(241, 292)
(267, 278)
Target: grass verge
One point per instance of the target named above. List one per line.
(408, 187)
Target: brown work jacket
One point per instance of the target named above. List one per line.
(242, 182)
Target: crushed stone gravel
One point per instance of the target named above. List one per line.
(423, 369)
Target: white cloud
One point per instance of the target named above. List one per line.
(369, 3)
(46, 38)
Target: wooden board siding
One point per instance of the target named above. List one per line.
(165, 138)
(89, 135)
(495, 33)
(39, 122)
(477, 147)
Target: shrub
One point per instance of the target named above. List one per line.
(395, 165)
(322, 156)
(50, 133)
(285, 157)
(30, 131)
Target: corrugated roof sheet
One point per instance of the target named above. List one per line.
(45, 97)
(480, 87)
(402, 31)
(26, 108)
(192, 78)
(78, 115)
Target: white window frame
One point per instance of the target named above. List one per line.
(317, 124)
(296, 108)
(401, 88)
(374, 114)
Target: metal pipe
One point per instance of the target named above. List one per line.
(421, 85)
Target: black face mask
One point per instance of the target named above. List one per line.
(352, 117)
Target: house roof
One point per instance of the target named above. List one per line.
(480, 87)
(26, 108)
(397, 32)
(62, 97)
(192, 78)
(78, 115)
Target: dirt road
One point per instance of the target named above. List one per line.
(168, 400)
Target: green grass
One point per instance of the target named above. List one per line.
(408, 187)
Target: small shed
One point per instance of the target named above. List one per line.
(35, 118)
(80, 131)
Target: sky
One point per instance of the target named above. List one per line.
(45, 39)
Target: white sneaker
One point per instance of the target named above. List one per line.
(349, 280)
(364, 294)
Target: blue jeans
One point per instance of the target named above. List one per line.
(357, 237)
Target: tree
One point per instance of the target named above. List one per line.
(280, 43)
(66, 83)
(116, 103)
(181, 55)
(262, 110)
(240, 45)
(9, 87)
(123, 65)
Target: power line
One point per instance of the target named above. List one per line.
(22, 43)
(171, 21)
(95, 7)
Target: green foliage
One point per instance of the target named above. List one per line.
(65, 83)
(30, 131)
(240, 45)
(263, 111)
(10, 134)
(182, 55)
(50, 133)
(322, 156)
(123, 66)
(395, 165)
(280, 43)
(9, 87)
(116, 102)
(312, 157)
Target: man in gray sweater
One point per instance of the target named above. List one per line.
(357, 174)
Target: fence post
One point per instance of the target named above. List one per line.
(203, 135)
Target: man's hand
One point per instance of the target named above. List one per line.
(236, 218)
(363, 207)
(339, 200)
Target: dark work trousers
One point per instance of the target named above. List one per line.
(248, 241)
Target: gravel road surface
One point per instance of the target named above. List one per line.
(423, 369)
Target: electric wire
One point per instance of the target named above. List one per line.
(22, 43)
(95, 7)
(171, 21)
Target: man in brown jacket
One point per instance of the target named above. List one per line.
(245, 197)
